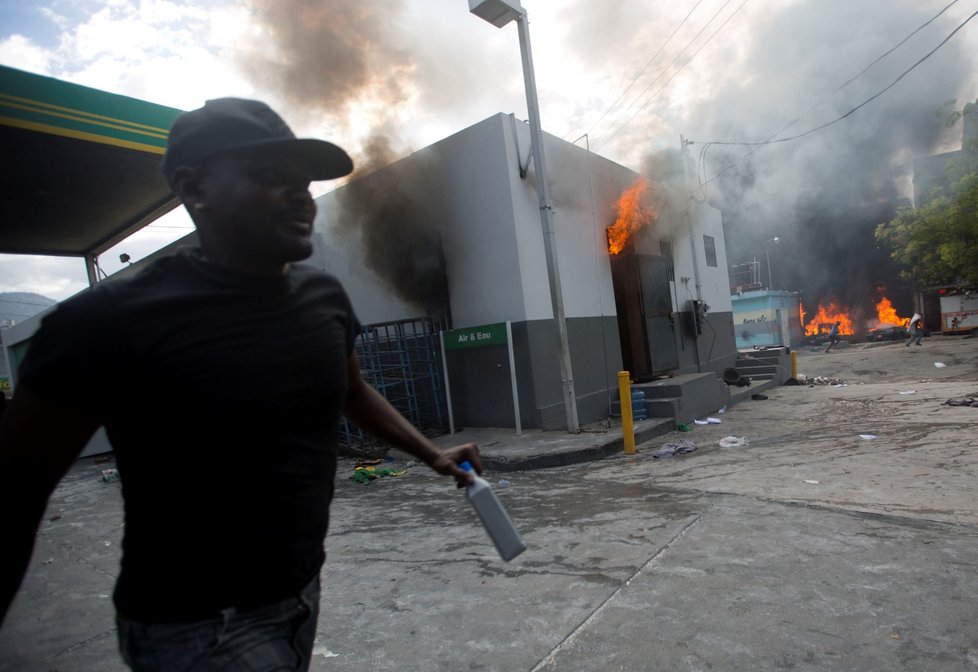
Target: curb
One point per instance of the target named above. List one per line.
(612, 446)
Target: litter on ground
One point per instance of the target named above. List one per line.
(963, 401)
(680, 447)
(825, 380)
(367, 474)
(868, 437)
(733, 442)
(940, 365)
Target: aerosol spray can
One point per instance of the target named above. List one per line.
(493, 516)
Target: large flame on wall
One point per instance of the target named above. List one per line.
(633, 214)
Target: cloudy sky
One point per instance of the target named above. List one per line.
(633, 75)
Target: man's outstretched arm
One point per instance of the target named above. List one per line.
(368, 409)
(39, 441)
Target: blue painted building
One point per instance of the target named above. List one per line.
(765, 318)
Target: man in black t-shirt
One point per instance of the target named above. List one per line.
(220, 573)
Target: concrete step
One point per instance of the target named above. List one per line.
(689, 396)
(753, 369)
(740, 394)
(769, 356)
(654, 408)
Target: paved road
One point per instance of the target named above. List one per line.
(811, 548)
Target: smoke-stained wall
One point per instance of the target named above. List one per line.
(463, 202)
(464, 214)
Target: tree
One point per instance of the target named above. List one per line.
(938, 243)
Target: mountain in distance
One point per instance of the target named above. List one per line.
(18, 306)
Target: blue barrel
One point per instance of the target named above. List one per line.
(638, 405)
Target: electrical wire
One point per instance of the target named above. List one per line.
(774, 139)
(698, 50)
(642, 71)
(673, 62)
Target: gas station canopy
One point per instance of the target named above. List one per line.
(80, 168)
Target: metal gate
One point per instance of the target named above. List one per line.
(402, 361)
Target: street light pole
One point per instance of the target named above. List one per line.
(767, 251)
(499, 13)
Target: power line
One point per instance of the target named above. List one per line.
(884, 55)
(774, 140)
(701, 170)
(680, 69)
(866, 69)
(675, 58)
(642, 71)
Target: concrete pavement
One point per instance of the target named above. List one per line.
(811, 548)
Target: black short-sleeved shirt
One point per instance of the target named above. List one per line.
(221, 393)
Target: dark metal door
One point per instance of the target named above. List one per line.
(657, 307)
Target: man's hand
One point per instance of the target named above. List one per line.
(446, 462)
(371, 412)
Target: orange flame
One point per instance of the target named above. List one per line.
(826, 317)
(801, 315)
(633, 214)
(887, 314)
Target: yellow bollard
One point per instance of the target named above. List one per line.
(794, 364)
(627, 425)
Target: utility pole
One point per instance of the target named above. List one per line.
(546, 220)
(687, 197)
(499, 13)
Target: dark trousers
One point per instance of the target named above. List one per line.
(274, 638)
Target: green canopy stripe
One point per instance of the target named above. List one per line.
(79, 115)
(82, 135)
(48, 105)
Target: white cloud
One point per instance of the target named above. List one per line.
(19, 52)
(54, 277)
(166, 52)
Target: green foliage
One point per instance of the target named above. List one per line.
(948, 114)
(938, 243)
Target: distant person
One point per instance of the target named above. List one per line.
(220, 560)
(915, 330)
(833, 335)
(955, 323)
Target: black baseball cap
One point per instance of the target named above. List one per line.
(226, 124)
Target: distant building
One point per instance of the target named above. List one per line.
(929, 171)
(454, 229)
(764, 318)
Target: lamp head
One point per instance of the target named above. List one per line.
(496, 12)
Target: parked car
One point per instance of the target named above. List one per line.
(890, 334)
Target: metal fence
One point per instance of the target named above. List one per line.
(402, 361)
